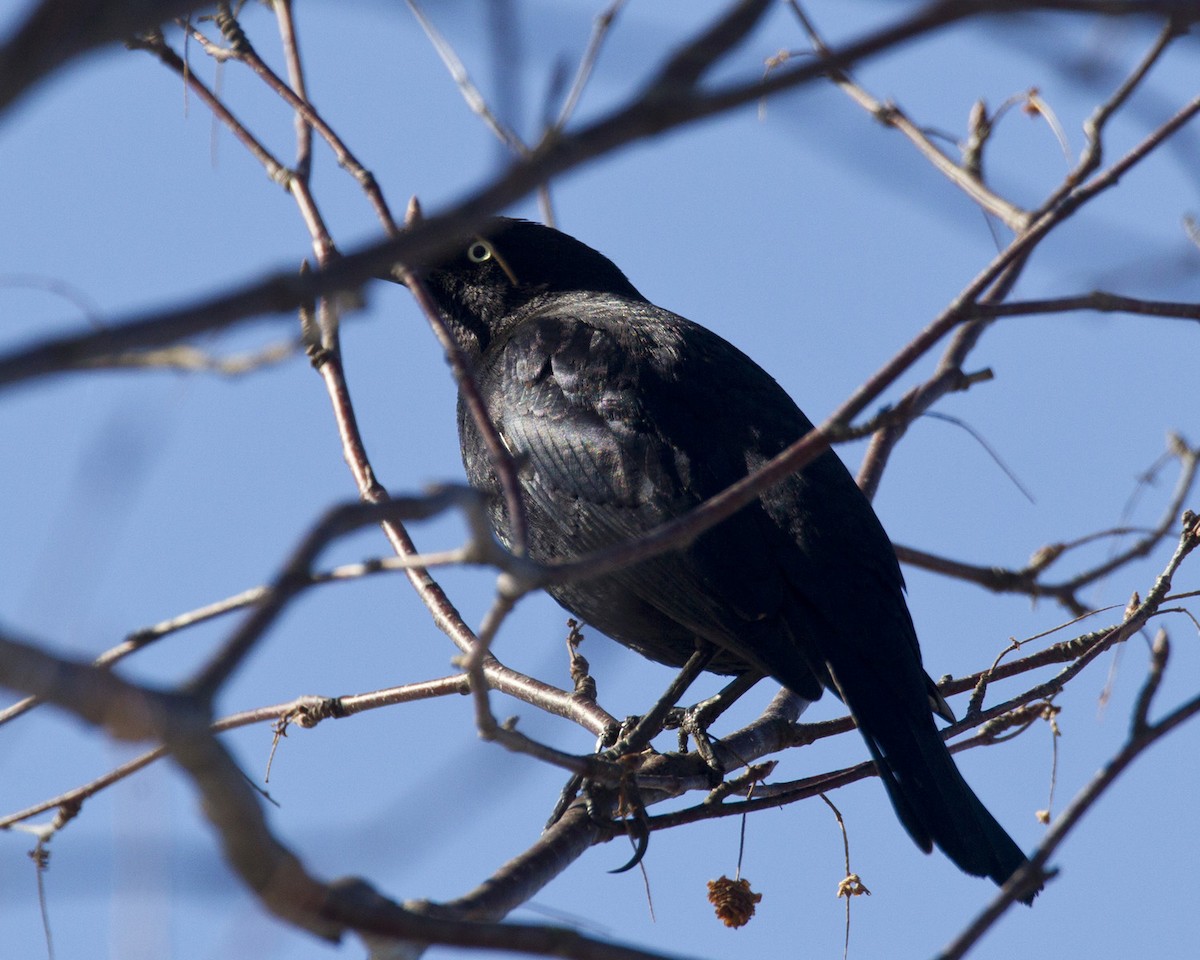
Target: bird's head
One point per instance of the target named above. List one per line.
(496, 274)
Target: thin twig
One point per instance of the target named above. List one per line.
(1099, 301)
(194, 360)
(466, 86)
(306, 711)
(1029, 580)
(1093, 152)
(445, 615)
(1141, 738)
(890, 115)
(297, 572)
(501, 458)
(600, 30)
(295, 69)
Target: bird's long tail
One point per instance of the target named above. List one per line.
(931, 798)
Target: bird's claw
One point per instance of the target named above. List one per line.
(599, 802)
(641, 843)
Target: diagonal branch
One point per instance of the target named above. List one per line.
(281, 292)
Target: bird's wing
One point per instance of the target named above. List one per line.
(617, 442)
(627, 427)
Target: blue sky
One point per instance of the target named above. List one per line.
(813, 238)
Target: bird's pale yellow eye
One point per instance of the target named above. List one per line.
(480, 251)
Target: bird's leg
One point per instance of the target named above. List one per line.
(566, 797)
(650, 723)
(695, 721)
(577, 781)
(706, 712)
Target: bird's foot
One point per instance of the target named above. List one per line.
(612, 748)
(695, 721)
(692, 724)
(637, 732)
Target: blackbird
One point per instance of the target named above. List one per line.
(623, 416)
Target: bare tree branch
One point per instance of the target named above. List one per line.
(1030, 580)
(646, 115)
(679, 91)
(1099, 301)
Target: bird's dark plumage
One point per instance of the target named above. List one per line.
(625, 416)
